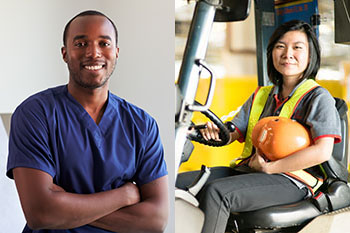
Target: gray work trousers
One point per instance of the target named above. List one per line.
(228, 190)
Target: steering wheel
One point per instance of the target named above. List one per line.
(224, 131)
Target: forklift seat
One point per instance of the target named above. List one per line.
(334, 194)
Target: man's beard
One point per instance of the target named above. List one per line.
(78, 80)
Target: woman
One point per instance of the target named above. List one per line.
(293, 59)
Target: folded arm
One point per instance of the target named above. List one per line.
(149, 215)
(47, 206)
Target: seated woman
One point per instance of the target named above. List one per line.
(293, 60)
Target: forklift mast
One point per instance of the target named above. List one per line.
(205, 13)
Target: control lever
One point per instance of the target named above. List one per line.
(200, 180)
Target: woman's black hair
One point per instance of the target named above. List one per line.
(85, 13)
(314, 50)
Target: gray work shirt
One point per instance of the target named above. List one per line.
(316, 111)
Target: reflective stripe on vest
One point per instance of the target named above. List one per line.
(288, 109)
(258, 105)
(312, 182)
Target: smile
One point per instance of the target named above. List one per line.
(97, 67)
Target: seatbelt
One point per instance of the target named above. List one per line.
(259, 101)
(311, 181)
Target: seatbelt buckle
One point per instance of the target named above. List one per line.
(320, 200)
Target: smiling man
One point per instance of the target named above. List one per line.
(83, 159)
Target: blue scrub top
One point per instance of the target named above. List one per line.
(52, 132)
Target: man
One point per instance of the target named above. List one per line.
(82, 158)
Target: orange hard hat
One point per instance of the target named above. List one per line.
(278, 137)
(258, 126)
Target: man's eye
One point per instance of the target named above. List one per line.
(80, 44)
(105, 44)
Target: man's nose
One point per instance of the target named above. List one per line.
(93, 51)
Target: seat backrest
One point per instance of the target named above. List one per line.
(337, 166)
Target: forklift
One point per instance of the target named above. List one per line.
(327, 215)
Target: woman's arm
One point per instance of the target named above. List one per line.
(315, 154)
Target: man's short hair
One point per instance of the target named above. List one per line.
(85, 13)
(314, 50)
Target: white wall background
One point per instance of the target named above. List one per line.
(11, 217)
(30, 61)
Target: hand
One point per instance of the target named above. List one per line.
(132, 192)
(211, 132)
(258, 162)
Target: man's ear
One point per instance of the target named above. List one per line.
(117, 52)
(64, 53)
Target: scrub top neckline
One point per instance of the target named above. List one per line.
(85, 116)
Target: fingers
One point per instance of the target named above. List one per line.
(211, 132)
(251, 160)
(257, 161)
(133, 193)
(261, 154)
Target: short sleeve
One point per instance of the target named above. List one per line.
(29, 140)
(241, 119)
(323, 117)
(151, 164)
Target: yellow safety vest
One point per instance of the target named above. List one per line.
(259, 101)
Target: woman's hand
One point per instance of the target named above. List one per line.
(211, 132)
(258, 162)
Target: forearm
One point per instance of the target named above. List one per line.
(144, 217)
(308, 157)
(48, 206)
(233, 137)
(62, 210)
(149, 215)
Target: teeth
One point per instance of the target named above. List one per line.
(93, 67)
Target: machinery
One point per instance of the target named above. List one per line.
(335, 193)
